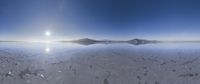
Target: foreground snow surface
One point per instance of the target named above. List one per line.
(28, 63)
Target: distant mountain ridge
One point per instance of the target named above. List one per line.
(141, 41)
(87, 41)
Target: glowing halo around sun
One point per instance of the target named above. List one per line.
(47, 33)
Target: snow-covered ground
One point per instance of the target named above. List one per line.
(32, 63)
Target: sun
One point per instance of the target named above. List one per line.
(48, 33)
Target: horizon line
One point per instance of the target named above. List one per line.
(173, 41)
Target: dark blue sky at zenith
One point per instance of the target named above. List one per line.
(100, 19)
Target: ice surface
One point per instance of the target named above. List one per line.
(29, 63)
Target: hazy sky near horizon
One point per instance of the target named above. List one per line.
(101, 19)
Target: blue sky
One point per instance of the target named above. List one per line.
(100, 19)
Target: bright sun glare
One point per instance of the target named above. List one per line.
(48, 33)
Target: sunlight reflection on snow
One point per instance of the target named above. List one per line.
(47, 49)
